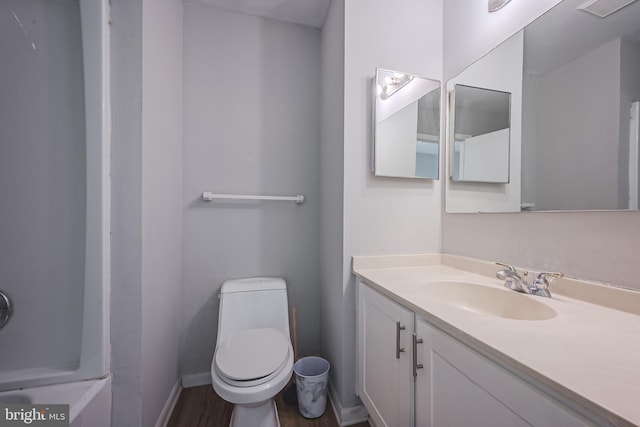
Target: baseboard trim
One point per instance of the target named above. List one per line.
(194, 380)
(165, 414)
(346, 416)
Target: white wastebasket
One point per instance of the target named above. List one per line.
(312, 375)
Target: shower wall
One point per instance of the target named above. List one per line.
(54, 190)
(42, 185)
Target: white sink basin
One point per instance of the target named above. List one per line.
(492, 301)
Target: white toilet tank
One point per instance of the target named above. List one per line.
(257, 302)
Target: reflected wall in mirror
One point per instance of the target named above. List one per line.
(481, 120)
(406, 125)
(499, 72)
(580, 122)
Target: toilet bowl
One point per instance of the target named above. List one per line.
(253, 358)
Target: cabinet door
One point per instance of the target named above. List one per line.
(423, 379)
(385, 381)
(460, 387)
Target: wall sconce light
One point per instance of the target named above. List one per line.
(497, 4)
(392, 84)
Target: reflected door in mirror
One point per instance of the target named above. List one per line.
(481, 132)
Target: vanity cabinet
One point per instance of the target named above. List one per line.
(453, 384)
(385, 382)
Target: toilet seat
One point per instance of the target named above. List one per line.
(252, 356)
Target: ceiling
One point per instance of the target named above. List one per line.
(304, 12)
(565, 33)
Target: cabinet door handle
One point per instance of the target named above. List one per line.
(398, 349)
(416, 365)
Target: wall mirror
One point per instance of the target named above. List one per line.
(406, 117)
(480, 148)
(574, 113)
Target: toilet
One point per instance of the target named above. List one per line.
(253, 358)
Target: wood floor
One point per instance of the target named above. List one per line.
(201, 407)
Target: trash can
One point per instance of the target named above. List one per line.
(312, 375)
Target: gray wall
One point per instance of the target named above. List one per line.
(629, 92)
(331, 198)
(592, 245)
(126, 211)
(146, 214)
(566, 122)
(252, 126)
(528, 169)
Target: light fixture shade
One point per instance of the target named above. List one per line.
(497, 4)
(604, 8)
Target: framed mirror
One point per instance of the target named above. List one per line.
(575, 113)
(406, 118)
(481, 130)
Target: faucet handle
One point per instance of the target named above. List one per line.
(541, 281)
(507, 266)
(512, 269)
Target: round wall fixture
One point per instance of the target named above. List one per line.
(497, 4)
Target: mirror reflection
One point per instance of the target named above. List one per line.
(481, 135)
(406, 125)
(500, 72)
(580, 96)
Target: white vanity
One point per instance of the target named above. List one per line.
(441, 342)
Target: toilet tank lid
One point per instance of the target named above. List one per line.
(253, 284)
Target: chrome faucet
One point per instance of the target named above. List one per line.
(540, 285)
(513, 281)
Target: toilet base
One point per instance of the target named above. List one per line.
(264, 414)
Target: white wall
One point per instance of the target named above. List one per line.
(382, 215)
(161, 203)
(252, 126)
(372, 203)
(501, 70)
(146, 215)
(480, 151)
(396, 143)
(592, 245)
(464, 19)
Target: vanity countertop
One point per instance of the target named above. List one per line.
(588, 353)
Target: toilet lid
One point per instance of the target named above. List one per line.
(251, 353)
